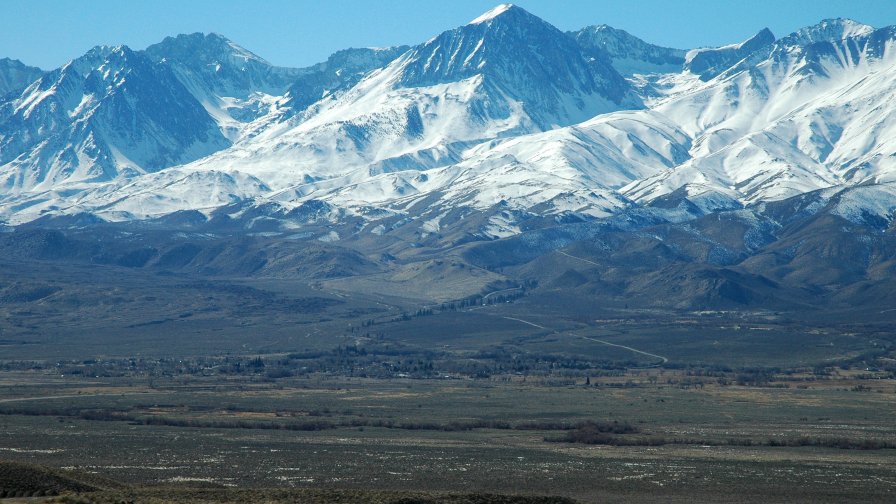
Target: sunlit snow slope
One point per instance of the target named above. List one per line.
(505, 116)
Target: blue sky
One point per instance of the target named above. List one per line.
(302, 32)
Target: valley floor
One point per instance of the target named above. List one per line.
(164, 388)
(656, 442)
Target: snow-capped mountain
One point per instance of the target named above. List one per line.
(342, 70)
(115, 114)
(505, 73)
(15, 75)
(628, 54)
(496, 125)
(710, 62)
(111, 112)
(806, 113)
(525, 59)
(762, 131)
(234, 85)
(212, 63)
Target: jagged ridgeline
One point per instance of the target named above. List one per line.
(503, 128)
(506, 110)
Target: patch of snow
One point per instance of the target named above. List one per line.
(332, 236)
(492, 14)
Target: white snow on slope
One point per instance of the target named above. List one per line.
(781, 122)
(492, 14)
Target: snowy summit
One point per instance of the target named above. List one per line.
(492, 14)
(505, 114)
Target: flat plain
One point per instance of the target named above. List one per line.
(198, 391)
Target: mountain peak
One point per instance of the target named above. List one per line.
(832, 30)
(526, 57)
(498, 38)
(710, 62)
(203, 46)
(761, 39)
(496, 12)
(628, 54)
(211, 63)
(15, 75)
(121, 51)
(13, 62)
(850, 26)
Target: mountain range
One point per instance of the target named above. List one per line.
(501, 141)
